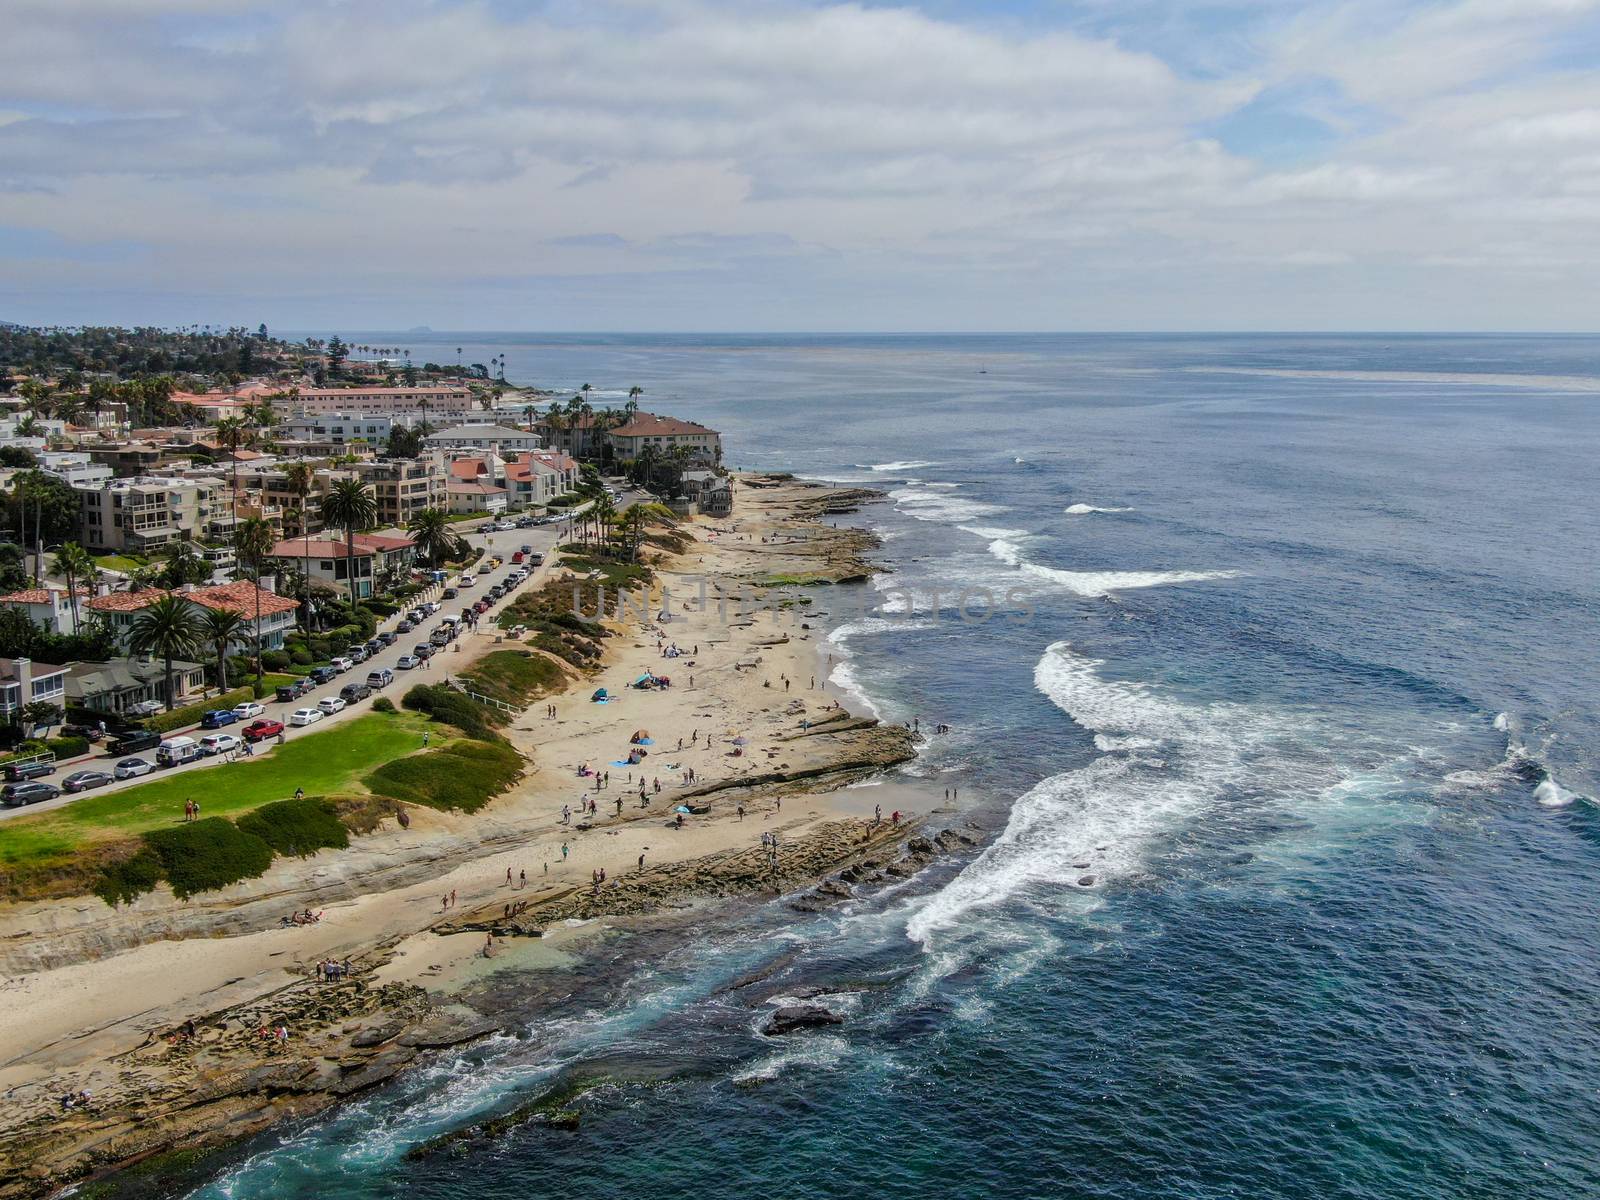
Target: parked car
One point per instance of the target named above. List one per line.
(354, 692)
(17, 772)
(82, 781)
(525, 522)
(341, 664)
(132, 741)
(246, 709)
(357, 654)
(406, 625)
(517, 557)
(174, 752)
(450, 593)
(306, 716)
(408, 662)
(484, 568)
(374, 644)
(386, 638)
(466, 581)
(218, 743)
(527, 549)
(380, 678)
(15, 795)
(286, 694)
(218, 717)
(440, 637)
(536, 559)
(431, 607)
(264, 728)
(131, 768)
(331, 704)
(422, 650)
(323, 675)
(90, 733)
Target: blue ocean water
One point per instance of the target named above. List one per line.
(1292, 884)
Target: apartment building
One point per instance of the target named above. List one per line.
(664, 435)
(147, 512)
(75, 468)
(24, 682)
(403, 487)
(499, 438)
(342, 429)
(436, 403)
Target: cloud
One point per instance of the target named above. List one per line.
(1218, 146)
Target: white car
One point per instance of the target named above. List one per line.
(129, 768)
(218, 743)
(341, 664)
(408, 662)
(466, 581)
(331, 704)
(305, 716)
(248, 709)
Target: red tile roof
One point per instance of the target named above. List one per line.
(126, 601)
(240, 597)
(314, 548)
(384, 541)
(649, 425)
(468, 469)
(35, 596)
(474, 489)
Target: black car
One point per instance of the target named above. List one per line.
(17, 772)
(133, 741)
(422, 650)
(82, 781)
(323, 675)
(386, 638)
(287, 693)
(406, 625)
(15, 795)
(451, 593)
(373, 646)
(91, 733)
(351, 692)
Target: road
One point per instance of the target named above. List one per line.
(542, 538)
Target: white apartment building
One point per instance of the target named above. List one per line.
(501, 439)
(75, 468)
(436, 403)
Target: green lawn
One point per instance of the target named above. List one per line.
(120, 562)
(324, 763)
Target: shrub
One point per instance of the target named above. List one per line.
(383, 608)
(462, 776)
(300, 656)
(204, 855)
(68, 747)
(275, 660)
(514, 677)
(297, 827)
(451, 707)
(125, 881)
(383, 705)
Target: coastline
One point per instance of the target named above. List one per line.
(756, 675)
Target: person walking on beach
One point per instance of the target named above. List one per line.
(508, 876)
(563, 852)
(452, 897)
(641, 862)
(522, 877)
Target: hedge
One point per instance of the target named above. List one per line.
(462, 776)
(179, 717)
(297, 827)
(68, 747)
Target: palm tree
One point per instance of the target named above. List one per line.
(632, 406)
(167, 629)
(253, 541)
(233, 432)
(73, 561)
(430, 528)
(222, 628)
(349, 506)
(299, 476)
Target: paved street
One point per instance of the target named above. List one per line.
(542, 538)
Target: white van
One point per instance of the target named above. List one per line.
(382, 677)
(177, 750)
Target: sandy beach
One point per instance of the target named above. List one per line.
(747, 733)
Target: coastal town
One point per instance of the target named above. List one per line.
(315, 703)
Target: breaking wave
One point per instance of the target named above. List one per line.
(910, 464)
(1081, 510)
(929, 505)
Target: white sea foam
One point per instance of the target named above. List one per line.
(1080, 510)
(914, 464)
(848, 681)
(928, 505)
(1103, 583)
(1552, 795)
(815, 1053)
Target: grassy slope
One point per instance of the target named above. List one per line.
(323, 763)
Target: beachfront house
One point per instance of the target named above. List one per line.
(119, 686)
(49, 608)
(277, 613)
(323, 559)
(717, 500)
(24, 682)
(664, 435)
(467, 498)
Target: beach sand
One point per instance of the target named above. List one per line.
(754, 676)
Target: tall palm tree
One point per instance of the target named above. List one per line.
(299, 476)
(253, 541)
(168, 629)
(232, 433)
(349, 506)
(221, 629)
(632, 406)
(73, 561)
(430, 529)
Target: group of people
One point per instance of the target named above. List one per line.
(331, 970)
(191, 810)
(305, 917)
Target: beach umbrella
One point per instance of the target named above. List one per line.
(599, 694)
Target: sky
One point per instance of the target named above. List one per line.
(770, 165)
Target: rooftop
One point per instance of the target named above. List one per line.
(650, 425)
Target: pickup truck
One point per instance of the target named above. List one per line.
(260, 730)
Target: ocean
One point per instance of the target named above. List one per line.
(1270, 668)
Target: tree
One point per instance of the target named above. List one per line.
(349, 506)
(337, 353)
(430, 529)
(73, 561)
(232, 433)
(253, 541)
(40, 715)
(632, 406)
(299, 476)
(184, 567)
(405, 442)
(168, 629)
(222, 628)
(17, 457)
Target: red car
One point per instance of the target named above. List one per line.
(482, 606)
(265, 727)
